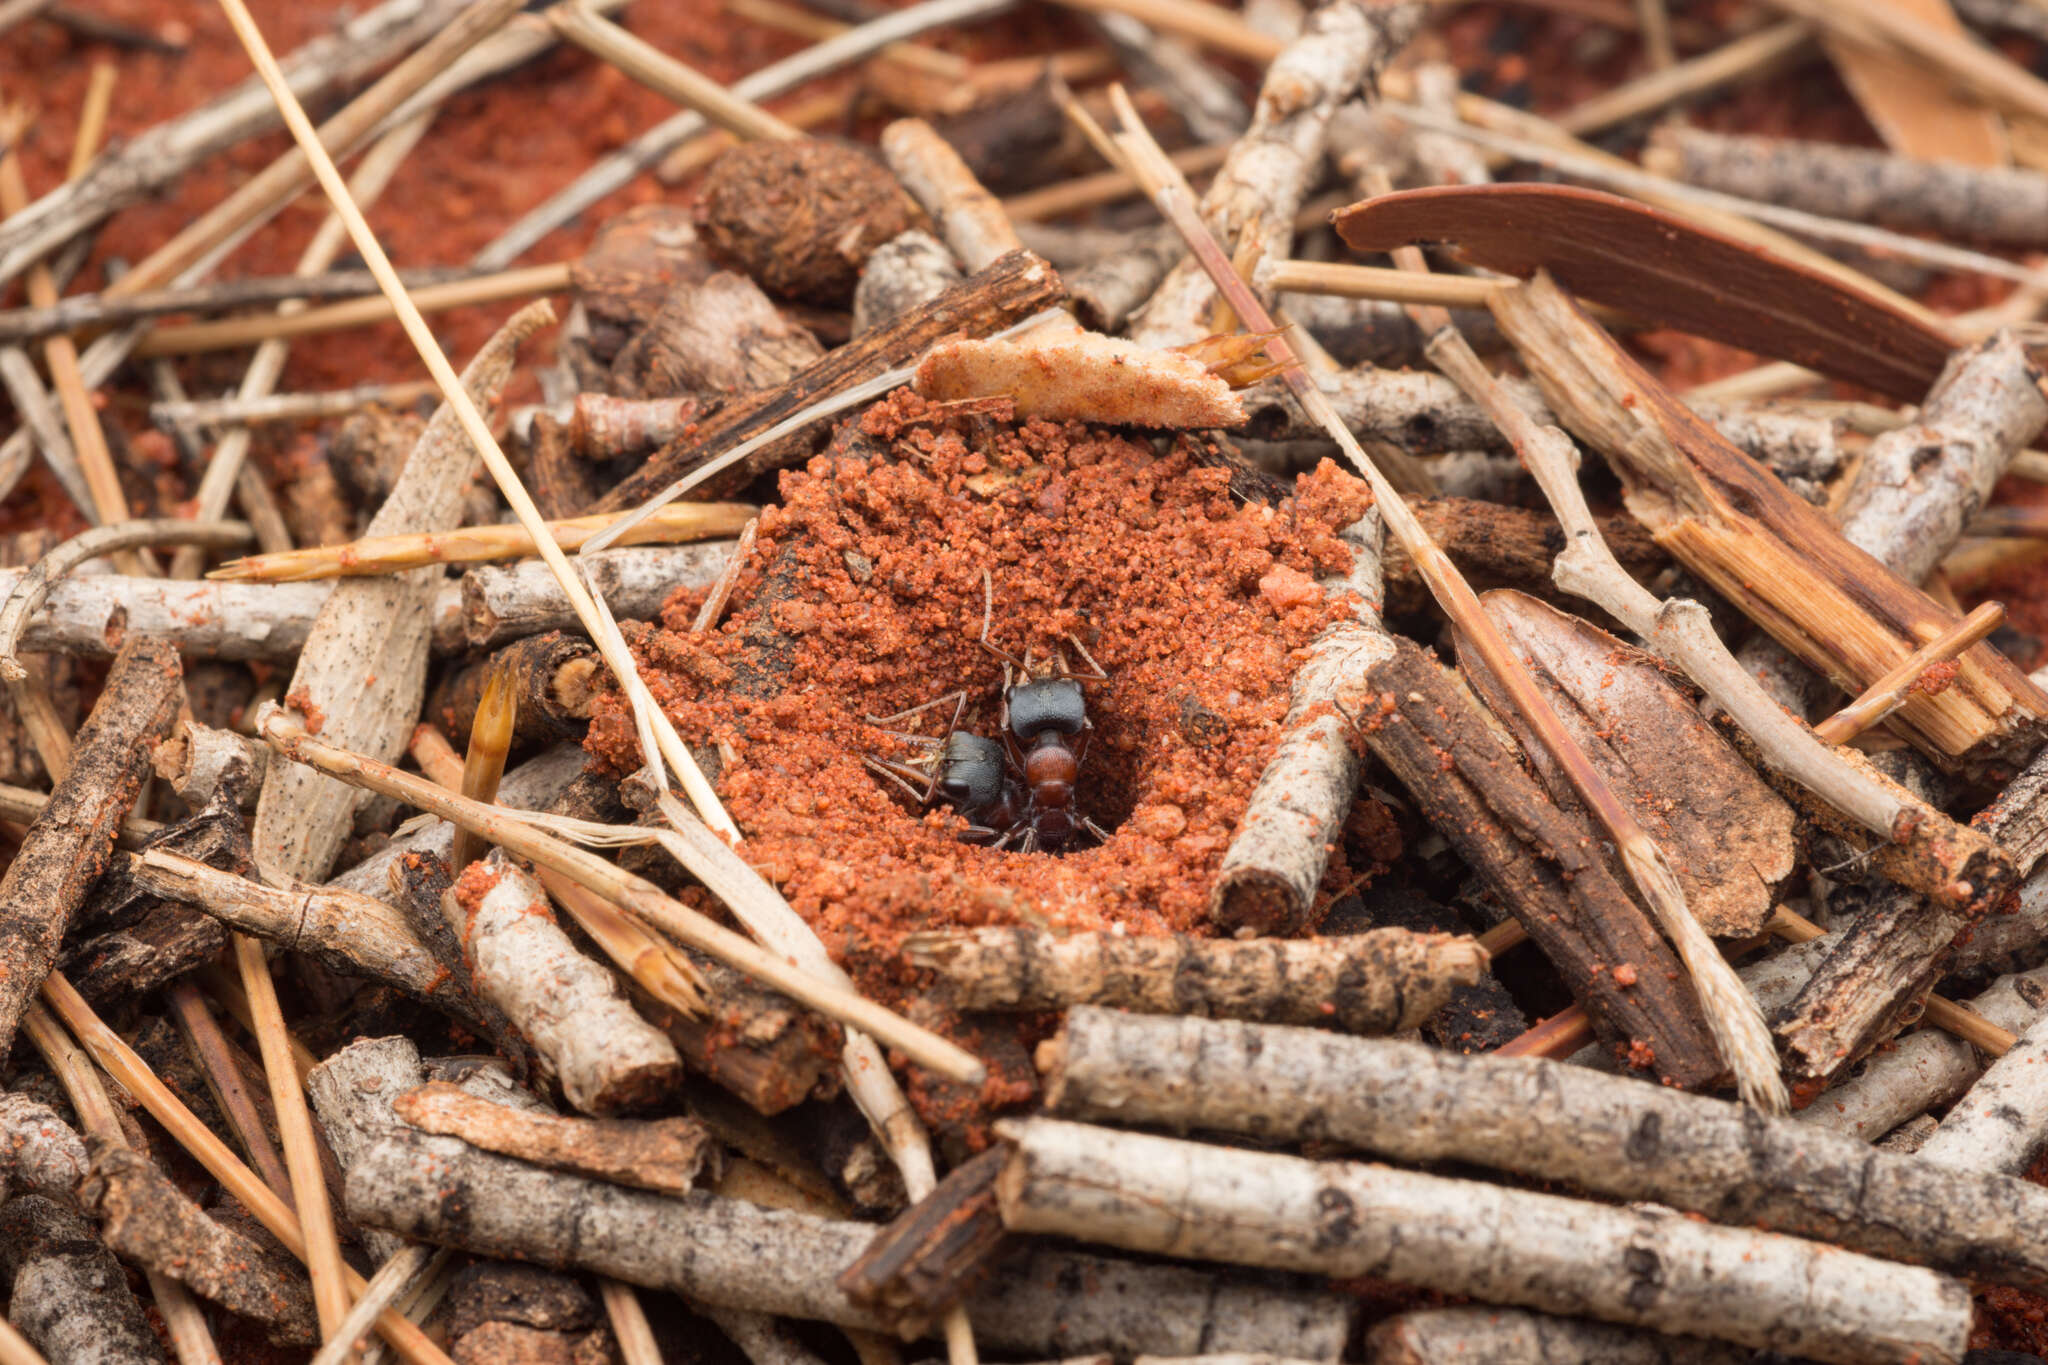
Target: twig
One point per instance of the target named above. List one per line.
(412, 1265)
(1884, 696)
(1743, 56)
(630, 1327)
(483, 762)
(619, 168)
(632, 894)
(1547, 1121)
(663, 74)
(235, 410)
(1737, 1026)
(670, 1156)
(1103, 187)
(81, 312)
(1176, 1198)
(231, 1094)
(479, 544)
(232, 334)
(1983, 70)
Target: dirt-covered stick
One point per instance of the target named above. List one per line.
(1989, 204)
(142, 166)
(2001, 1122)
(1552, 1121)
(68, 1295)
(1275, 861)
(1513, 1336)
(69, 843)
(478, 544)
(607, 1057)
(1381, 981)
(1271, 168)
(363, 669)
(730, 1253)
(910, 269)
(1639, 1267)
(39, 1152)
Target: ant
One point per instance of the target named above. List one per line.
(1021, 789)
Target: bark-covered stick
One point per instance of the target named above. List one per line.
(498, 603)
(1272, 167)
(68, 1294)
(1269, 876)
(729, 1253)
(910, 269)
(1640, 1267)
(607, 1057)
(1987, 204)
(2001, 1122)
(1512, 1336)
(1381, 981)
(970, 219)
(39, 1152)
(314, 406)
(69, 843)
(362, 672)
(664, 1155)
(1551, 1121)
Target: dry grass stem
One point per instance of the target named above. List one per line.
(289, 407)
(663, 74)
(630, 1328)
(1376, 282)
(413, 1265)
(231, 1094)
(481, 544)
(1745, 56)
(15, 1348)
(490, 740)
(233, 334)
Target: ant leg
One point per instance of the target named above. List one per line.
(1101, 834)
(988, 616)
(960, 702)
(1099, 674)
(900, 774)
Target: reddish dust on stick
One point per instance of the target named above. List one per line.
(867, 585)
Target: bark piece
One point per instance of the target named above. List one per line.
(1082, 377)
(2001, 1122)
(145, 1219)
(1640, 1267)
(572, 1010)
(1782, 562)
(39, 1152)
(1381, 981)
(1728, 835)
(1509, 1336)
(69, 844)
(757, 1043)
(1428, 729)
(1986, 203)
(196, 756)
(1010, 290)
(555, 676)
(728, 1253)
(362, 674)
(67, 1293)
(665, 1155)
(909, 270)
(1662, 267)
(936, 1252)
(1496, 546)
(129, 962)
(1276, 860)
(721, 336)
(632, 265)
(1253, 199)
(1550, 1121)
(801, 215)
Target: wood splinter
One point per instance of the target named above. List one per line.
(665, 1155)
(1381, 981)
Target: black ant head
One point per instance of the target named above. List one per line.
(1037, 705)
(970, 773)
